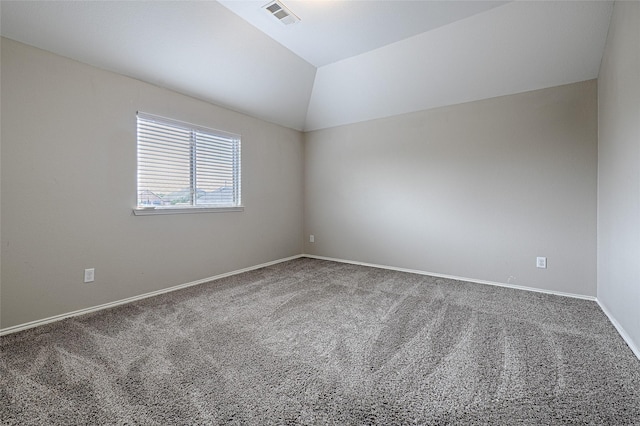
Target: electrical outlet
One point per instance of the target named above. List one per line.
(89, 275)
(541, 262)
(312, 239)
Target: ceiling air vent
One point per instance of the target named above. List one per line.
(281, 12)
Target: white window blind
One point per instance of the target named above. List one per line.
(181, 165)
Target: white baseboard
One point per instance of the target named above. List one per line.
(55, 318)
(453, 277)
(621, 331)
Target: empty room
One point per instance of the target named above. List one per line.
(320, 212)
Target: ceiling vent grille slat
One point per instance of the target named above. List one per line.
(281, 12)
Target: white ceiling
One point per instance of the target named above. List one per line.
(199, 48)
(330, 31)
(514, 48)
(346, 61)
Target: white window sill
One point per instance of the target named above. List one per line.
(148, 211)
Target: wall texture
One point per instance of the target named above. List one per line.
(619, 171)
(69, 185)
(476, 190)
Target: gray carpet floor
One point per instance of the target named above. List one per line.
(317, 342)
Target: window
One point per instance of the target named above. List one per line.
(186, 168)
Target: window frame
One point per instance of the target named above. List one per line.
(236, 164)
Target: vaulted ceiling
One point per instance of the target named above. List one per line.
(344, 62)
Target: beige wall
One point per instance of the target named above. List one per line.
(476, 190)
(619, 172)
(69, 184)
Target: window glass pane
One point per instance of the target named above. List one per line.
(182, 166)
(164, 155)
(214, 170)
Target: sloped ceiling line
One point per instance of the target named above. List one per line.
(330, 69)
